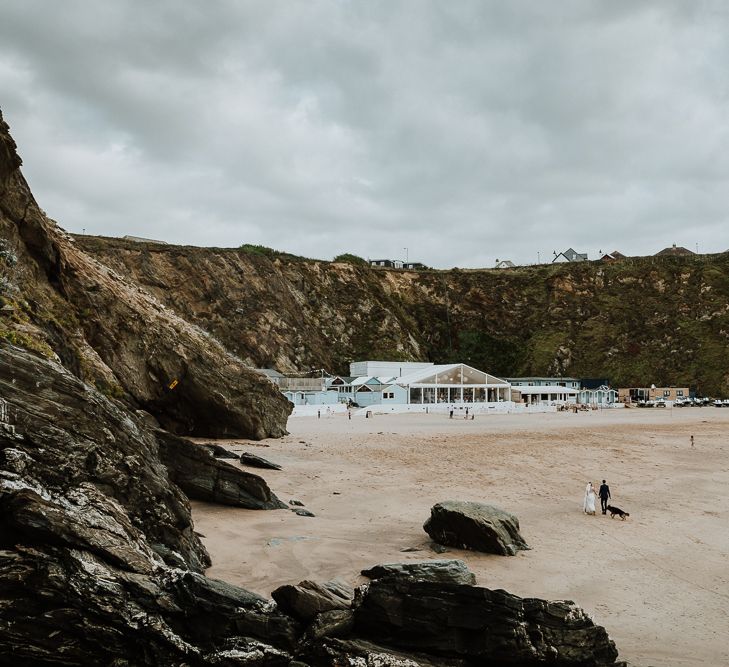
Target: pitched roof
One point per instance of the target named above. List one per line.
(571, 255)
(417, 377)
(371, 379)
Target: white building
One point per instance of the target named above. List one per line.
(386, 368)
(454, 383)
(549, 394)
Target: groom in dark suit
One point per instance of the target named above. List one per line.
(604, 494)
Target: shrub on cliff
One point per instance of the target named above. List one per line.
(351, 259)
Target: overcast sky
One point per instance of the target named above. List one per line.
(463, 131)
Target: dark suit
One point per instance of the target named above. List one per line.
(604, 494)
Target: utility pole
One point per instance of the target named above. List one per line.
(406, 255)
(539, 258)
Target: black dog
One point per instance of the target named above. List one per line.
(616, 510)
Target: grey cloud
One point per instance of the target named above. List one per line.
(463, 131)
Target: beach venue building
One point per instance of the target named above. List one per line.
(591, 391)
(652, 393)
(424, 383)
(534, 390)
(301, 390)
(414, 386)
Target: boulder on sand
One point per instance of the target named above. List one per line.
(246, 458)
(475, 526)
(203, 477)
(483, 626)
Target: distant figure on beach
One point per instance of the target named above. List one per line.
(604, 494)
(589, 504)
(692, 441)
(451, 413)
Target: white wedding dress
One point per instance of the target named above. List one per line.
(589, 504)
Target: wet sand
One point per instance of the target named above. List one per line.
(659, 582)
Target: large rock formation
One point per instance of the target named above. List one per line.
(90, 524)
(476, 526)
(203, 477)
(113, 334)
(75, 446)
(479, 625)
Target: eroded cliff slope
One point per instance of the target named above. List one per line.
(662, 320)
(57, 300)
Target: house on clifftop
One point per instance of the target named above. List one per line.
(569, 255)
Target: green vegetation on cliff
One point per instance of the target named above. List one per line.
(662, 320)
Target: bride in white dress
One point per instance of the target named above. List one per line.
(589, 504)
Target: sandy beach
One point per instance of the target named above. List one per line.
(659, 582)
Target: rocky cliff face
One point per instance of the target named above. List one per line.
(61, 302)
(662, 320)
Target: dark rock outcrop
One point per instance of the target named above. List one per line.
(307, 599)
(443, 571)
(334, 623)
(66, 605)
(203, 477)
(80, 453)
(476, 526)
(219, 452)
(246, 458)
(88, 516)
(479, 625)
(332, 652)
(340, 589)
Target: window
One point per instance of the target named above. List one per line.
(679, 392)
(388, 394)
(666, 393)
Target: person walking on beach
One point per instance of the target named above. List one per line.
(604, 494)
(589, 504)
